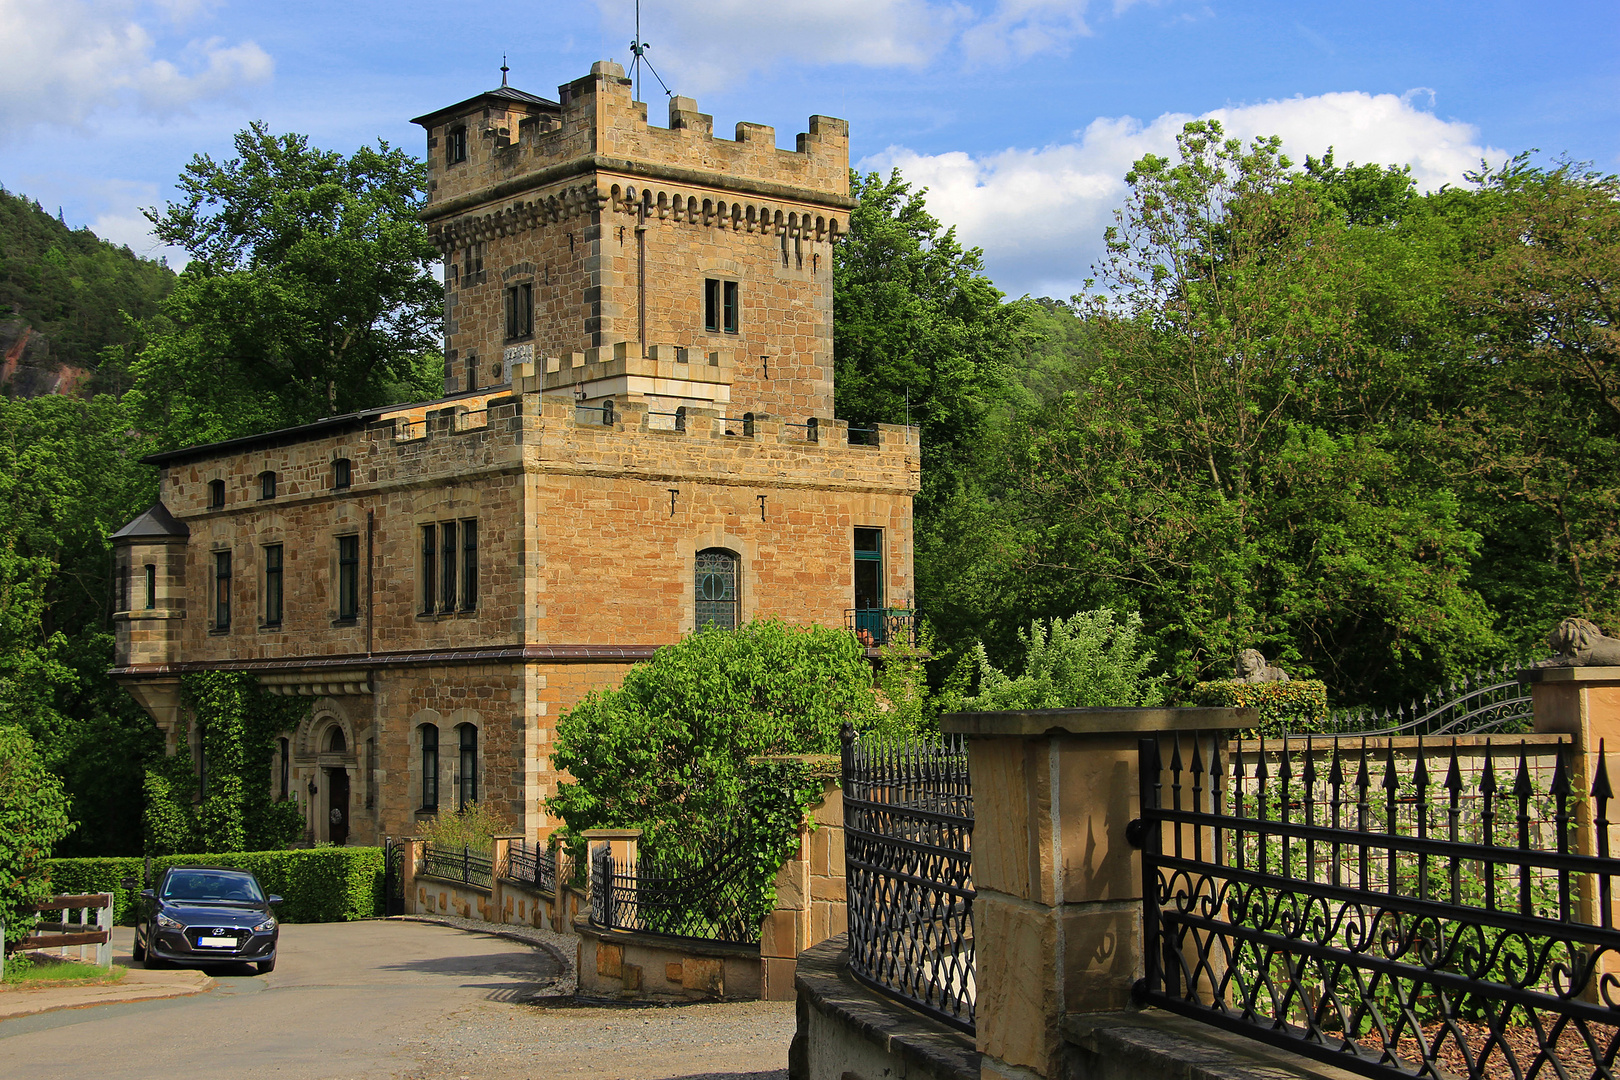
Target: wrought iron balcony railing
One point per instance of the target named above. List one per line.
(876, 627)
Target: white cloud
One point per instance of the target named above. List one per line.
(705, 45)
(68, 59)
(710, 44)
(1018, 29)
(1039, 214)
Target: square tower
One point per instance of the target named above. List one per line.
(619, 257)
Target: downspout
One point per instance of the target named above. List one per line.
(641, 274)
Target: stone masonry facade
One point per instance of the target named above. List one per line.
(577, 499)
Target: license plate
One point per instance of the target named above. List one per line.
(217, 942)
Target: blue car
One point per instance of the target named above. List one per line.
(207, 915)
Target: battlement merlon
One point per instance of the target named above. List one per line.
(516, 142)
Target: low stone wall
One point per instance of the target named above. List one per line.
(810, 906)
(848, 1032)
(649, 967)
(1151, 1044)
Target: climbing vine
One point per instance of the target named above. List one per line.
(230, 807)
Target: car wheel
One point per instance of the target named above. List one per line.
(139, 951)
(266, 966)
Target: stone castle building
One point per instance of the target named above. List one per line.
(636, 440)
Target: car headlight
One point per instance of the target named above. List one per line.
(265, 927)
(166, 923)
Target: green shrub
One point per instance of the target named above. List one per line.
(33, 817)
(1085, 661)
(315, 884)
(1299, 707)
(474, 826)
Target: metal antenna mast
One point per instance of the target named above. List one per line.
(638, 49)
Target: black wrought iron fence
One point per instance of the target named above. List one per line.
(706, 897)
(1440, 923)
(908, 827)
(1483, 703)
(461, 864)
(534, 866)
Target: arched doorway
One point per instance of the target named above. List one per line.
(337, 789)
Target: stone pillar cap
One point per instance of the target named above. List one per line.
(1100, 721)
(1570, 674)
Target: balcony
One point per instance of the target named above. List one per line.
(877, 627)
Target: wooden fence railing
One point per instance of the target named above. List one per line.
(66, 932)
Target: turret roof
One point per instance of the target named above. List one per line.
(156, 523)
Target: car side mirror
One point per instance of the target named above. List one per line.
(272, 900)
(148, 894)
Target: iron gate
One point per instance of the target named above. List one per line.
(393, 877)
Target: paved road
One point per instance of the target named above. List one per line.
(396, 999)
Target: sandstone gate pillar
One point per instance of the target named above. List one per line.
(1057, 920)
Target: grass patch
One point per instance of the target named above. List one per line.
(37, 970)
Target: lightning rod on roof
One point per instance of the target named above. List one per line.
(638, 50)
(504, 69)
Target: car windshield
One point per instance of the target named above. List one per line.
(206, 885)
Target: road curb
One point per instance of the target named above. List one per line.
(77, 997)
(566, 962)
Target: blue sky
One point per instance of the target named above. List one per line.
(1021, 116)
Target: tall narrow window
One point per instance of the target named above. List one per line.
(286, 746)
(348, 577)
(151, 586)
(371, 772)
(711, 305)
(716, 589)
(472, 262)
(340, 474)
(222, 590)
(272, 585)
(469, 564)
(447, 566)
(216, 494)
(430, 767)
(520, 310)
(121, 600)
(468, 780)
(267, 485)
(868, 569)
(430, 550)
(455, 145)
(731, 310)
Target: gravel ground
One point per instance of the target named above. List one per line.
(561, 946)
(546, 1034)
(743, 1040)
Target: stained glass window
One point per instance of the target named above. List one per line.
(717, 589)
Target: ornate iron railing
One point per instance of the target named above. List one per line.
(530, 866)
(462, 864)
(705, 898)
(1486, 702)
(879, 626)
(1438, 923)
(908, 827)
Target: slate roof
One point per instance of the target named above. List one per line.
(500, 93)
(156, 523)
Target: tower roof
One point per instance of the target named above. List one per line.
(156, 524)
(501, 95)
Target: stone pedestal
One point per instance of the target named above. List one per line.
(1057, 919)
(1583, 703)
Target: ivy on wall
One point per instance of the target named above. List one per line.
(230, 807)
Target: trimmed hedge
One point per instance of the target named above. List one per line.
(1298, 707)
(315, 884)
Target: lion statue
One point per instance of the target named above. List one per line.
(1252, 667)
(1579, 643)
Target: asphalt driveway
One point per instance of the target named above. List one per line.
(396, 999)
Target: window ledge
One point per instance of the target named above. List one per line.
(353, 620)
(218, 631)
